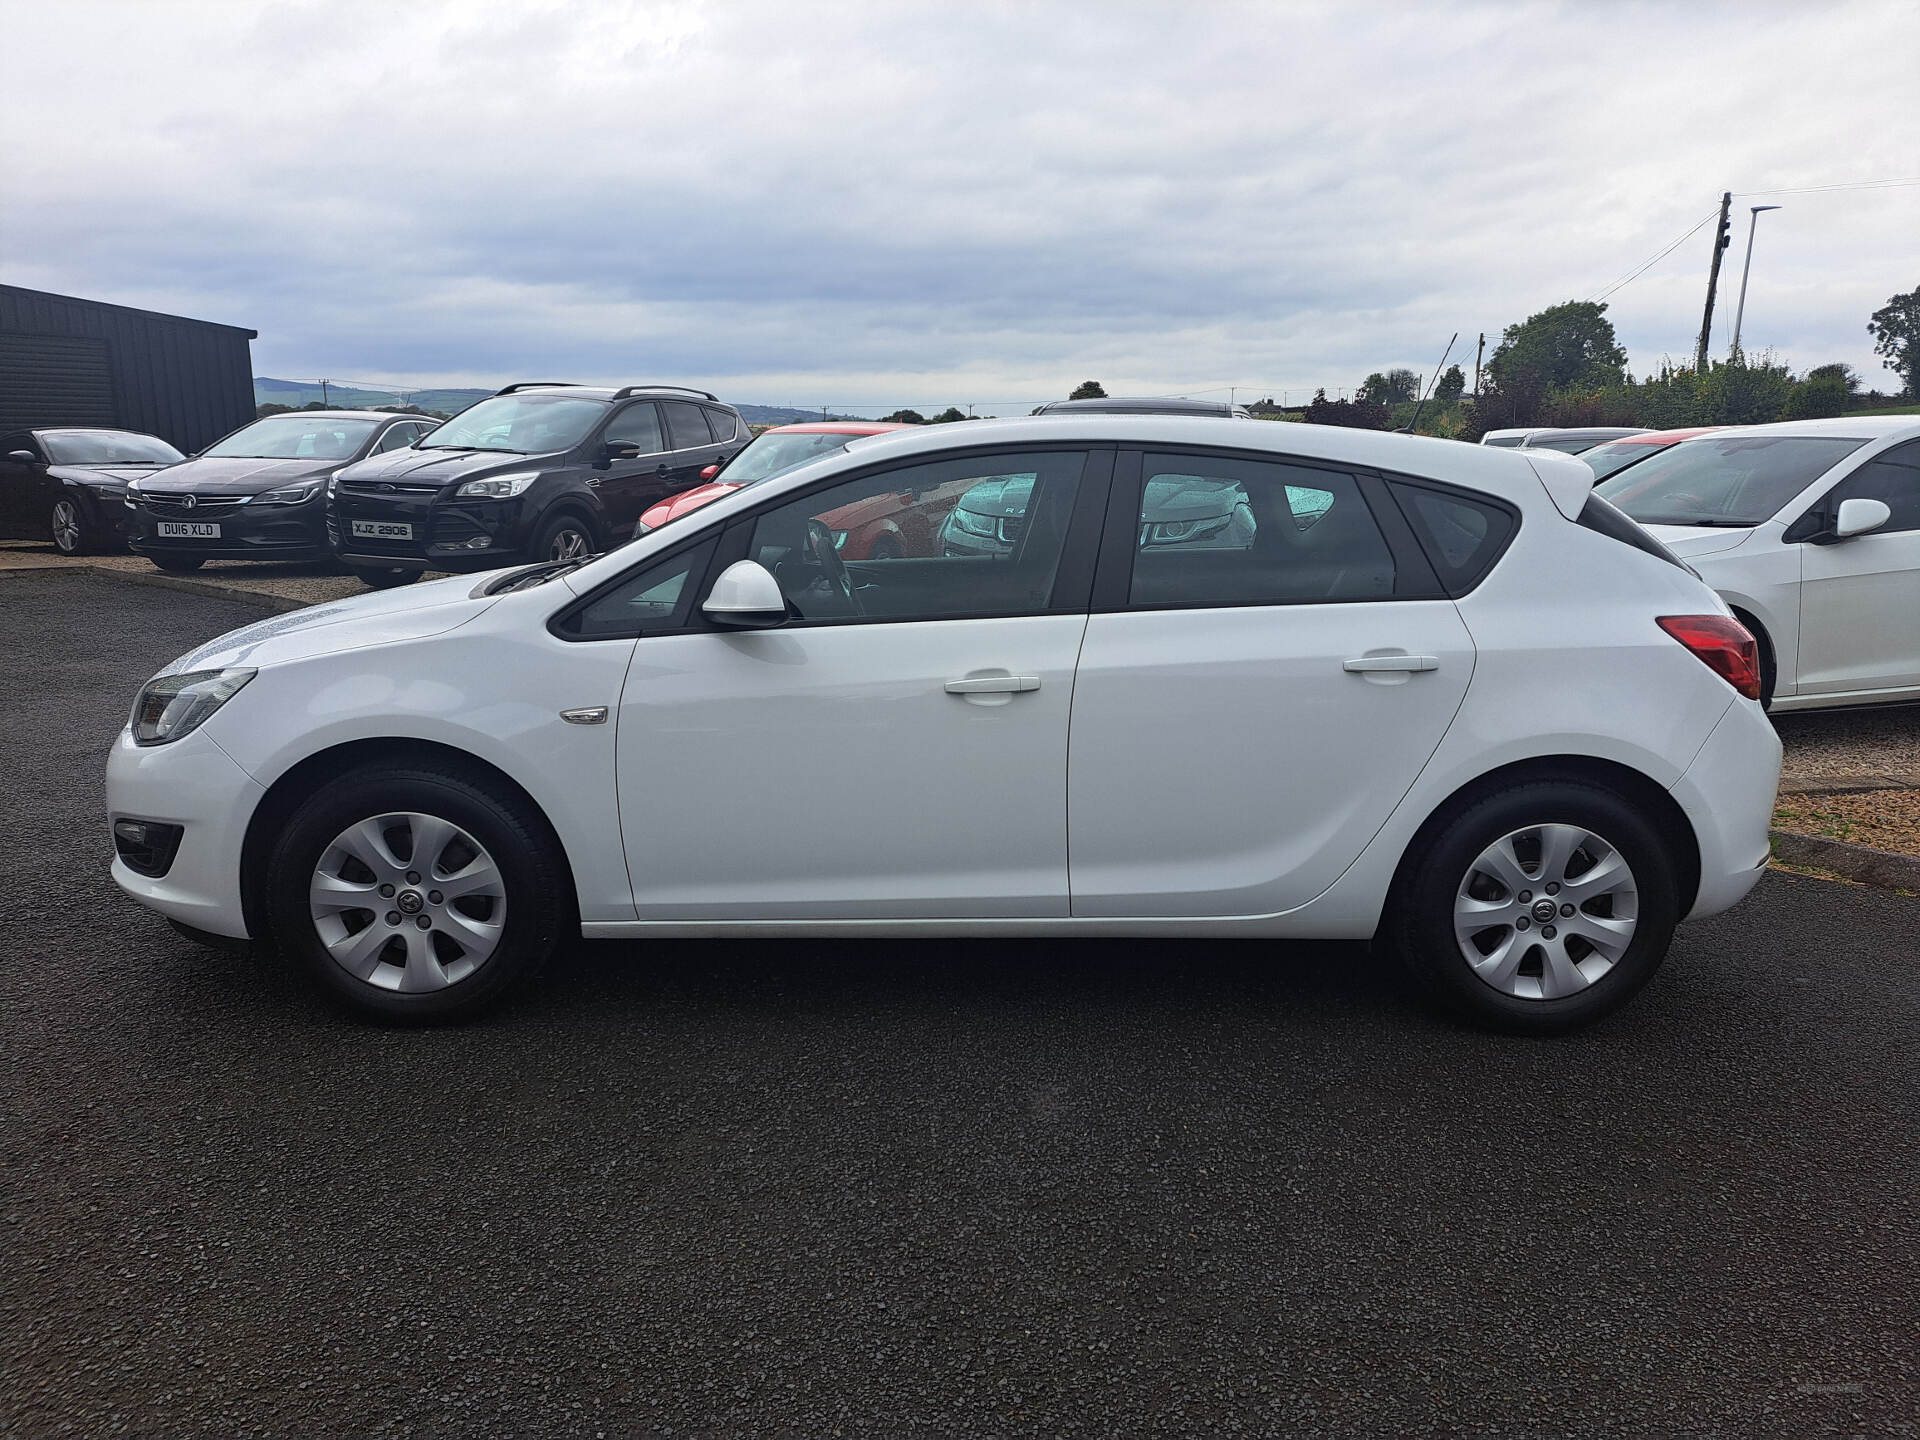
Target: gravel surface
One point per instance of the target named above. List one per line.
(1879, 819)
(979, 1189)
(312, 584)
(1825, 744)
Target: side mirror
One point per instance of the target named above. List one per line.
(709, 472)
(746, 597)
(619, 450)
(24, 457)
(1857, 517)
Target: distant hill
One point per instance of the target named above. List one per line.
(295, 393)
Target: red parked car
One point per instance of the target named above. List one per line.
(1617, 455)
(774, 452)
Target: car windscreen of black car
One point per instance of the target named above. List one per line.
(519, 425)
(296, 437)
(107, 447)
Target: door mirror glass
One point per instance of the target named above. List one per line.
(1857, 517)
(747, 597)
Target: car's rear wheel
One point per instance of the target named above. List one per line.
(178, 564)
(414, 894)
(384, 578)
(1537, 909)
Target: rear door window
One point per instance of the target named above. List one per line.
(638, 424)
(686, 425)
(1234, 531)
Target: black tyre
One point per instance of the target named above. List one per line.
(384, 578)
(178, 564)
(415, 894)
(885, 548)
(1536, 910)
(565, 536)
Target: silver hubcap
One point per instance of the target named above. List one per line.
(408, 902)
(567, 545)
(66, 525)
(1546, 911)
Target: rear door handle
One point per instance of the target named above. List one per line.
(1370, 663)
(994, 685)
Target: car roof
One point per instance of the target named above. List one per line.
(661, 391)
(1840, 427)
(838, 427)
(1582, 432)
(1668, 437)
(345, 414)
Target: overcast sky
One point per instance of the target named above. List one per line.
(876, 204)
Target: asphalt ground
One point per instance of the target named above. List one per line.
(970, 1189)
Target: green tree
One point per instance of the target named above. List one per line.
(1373, 389)
(1088, 390)
(1402, 384)
(947, 416)
(1895, 327)
(261, 412)
(1453, 384)
(1570, 346)
(904, 417)
(1818, 396)
(1356, 414)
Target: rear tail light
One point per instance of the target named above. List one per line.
(1723, 645)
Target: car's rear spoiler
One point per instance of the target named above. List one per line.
(1569, 480)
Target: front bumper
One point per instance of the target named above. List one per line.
(247, 532)
(194, 784)
(1728, 794)
(447, 534)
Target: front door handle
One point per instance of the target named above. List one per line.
(994, 685)
(1368, 664)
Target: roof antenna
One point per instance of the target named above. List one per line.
(1430, 384)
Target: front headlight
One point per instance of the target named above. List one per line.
(174, 705)
(287, 494)
(499, 487)
(132, 498)
(333, 482)
(974, 523)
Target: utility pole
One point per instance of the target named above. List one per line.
(1722, 237)
(323, 392)
(1476, 364)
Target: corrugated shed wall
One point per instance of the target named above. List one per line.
(187, 381)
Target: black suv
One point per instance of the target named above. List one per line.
(542, 470)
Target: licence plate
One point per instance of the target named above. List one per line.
(189, 530)
(382, 530)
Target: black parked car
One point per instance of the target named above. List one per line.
(259, 494)
(540, 471)
(68, 485)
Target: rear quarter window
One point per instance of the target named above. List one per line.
(1462, 533)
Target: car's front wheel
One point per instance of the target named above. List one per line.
(564, 537)
(418, 894)
(1537, 909)
(72, 528)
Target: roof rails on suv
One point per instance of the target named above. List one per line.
(627, 390)
(536, 385)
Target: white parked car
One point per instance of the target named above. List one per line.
(1810, 530)
(1386, 713)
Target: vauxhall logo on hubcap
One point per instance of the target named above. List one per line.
(410, 901)
(1543, 910)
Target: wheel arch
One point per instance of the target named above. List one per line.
(1769, 652)
(302, 780)
(1648, 794)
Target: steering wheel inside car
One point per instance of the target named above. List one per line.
(832, 567)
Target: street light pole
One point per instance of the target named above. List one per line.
(1740, 310)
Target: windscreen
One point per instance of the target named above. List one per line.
(773, 453)
(1723, 479)
(296, 437)
(107, 447)
(519, 425)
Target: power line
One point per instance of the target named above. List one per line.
(1646, 265)
(1843, 185)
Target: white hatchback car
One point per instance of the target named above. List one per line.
(1380, 710)
(1810, 530)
